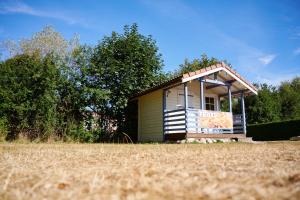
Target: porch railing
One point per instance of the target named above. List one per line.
(174, 121)
(182, 121)
(238, 123)
(194, 126)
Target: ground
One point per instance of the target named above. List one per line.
(150, 171)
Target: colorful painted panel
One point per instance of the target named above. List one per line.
(213, 119)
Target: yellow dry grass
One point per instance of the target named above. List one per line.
(150, 171)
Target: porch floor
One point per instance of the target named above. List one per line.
(181, 136)
(203, 135)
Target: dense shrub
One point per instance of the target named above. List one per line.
(274, 131)
(27, 95)
(3, 129)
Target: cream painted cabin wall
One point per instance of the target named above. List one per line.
(173, 101)
(150, 117)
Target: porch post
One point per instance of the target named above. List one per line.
(186, 105)
(164, 110)
(185, 96)
(164, 100)
(243, 112)
(219, 103)
(201, 95)
(229, 98)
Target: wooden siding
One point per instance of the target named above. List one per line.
(150, 117)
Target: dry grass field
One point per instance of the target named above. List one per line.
(150, 171)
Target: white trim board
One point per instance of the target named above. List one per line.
(216, 70)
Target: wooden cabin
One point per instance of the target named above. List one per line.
(189, 106)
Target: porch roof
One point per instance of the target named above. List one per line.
(229, 75)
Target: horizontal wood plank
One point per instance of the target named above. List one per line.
(175, 120)
(177, 115)
(172, 111)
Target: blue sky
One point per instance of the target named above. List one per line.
(261, 39)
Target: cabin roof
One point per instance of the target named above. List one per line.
(249, 88)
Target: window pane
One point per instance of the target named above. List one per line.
(209, 103)
(207, 107)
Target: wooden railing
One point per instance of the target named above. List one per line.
(182, 121)
(174, 121)
(192, 121)
(194, 126)
(238, 123)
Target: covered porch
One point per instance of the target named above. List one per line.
(201, 106)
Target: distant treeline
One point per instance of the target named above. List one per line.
(279, 103)
(53, 88)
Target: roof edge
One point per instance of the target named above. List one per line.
(199, 73)
(162, 85)
(218, 67)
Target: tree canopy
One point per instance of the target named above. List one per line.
(41, 87)
(123, 64)
(44, 42)
(197, 63)
(27, 95)
(274, 103)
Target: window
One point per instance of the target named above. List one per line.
(209, 103)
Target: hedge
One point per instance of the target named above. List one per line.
(283, 130)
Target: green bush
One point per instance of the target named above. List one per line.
(283, 130)
(3, 129)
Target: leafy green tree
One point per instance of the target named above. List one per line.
(47, 41)
(289, 93)
(264, 107)
(27, 95)
(123, 64)
(196, 64)
(79, 99)
(69, 89)
(275, 103)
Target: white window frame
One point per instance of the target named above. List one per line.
(215, 97)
